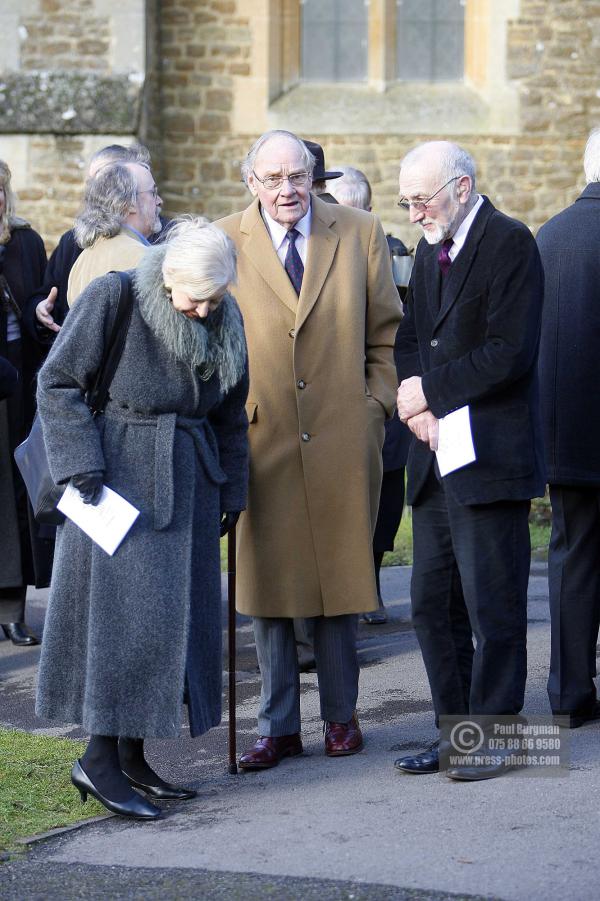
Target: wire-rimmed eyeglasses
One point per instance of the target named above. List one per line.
(421, 205)
(153, 191)
(270, 182)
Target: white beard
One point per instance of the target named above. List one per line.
(441, 232)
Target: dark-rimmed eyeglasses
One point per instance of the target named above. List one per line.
(270, 182)
(421, 205)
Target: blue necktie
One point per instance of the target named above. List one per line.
(293, 263)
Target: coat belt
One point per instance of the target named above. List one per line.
(205, 444)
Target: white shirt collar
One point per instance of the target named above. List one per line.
(279, 232)
(460, 236)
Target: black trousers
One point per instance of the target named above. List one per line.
(574, 584)
(469, 580)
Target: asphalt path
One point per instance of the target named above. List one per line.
(315, 827)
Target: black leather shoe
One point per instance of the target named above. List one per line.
(137, 808)
(483, 771)
(376, 617)
(19, 634)
(162, 791)
(426, 762)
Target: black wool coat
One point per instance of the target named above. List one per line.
(27, 547)
(479, 347)
(569, 385)
(8, 378)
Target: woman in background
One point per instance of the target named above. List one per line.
(27, 547)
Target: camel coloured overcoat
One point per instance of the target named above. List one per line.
(322, 380)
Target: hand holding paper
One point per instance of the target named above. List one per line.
(455, 442)
(107, 523)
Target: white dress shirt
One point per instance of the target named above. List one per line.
(462, 231)
(279, 235)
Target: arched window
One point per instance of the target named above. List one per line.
(334, 40)
(430, 40)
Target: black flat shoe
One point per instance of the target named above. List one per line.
(137, 808)
(375, 617)
(426, 762)
(19, 634)
(163, 792)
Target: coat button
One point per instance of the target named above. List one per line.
(301, 384)
(435, 342)
(305, 436)
(292, 333)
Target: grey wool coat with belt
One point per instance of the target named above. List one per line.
(124, 633)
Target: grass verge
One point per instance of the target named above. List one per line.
(539, 531)
(35, 787)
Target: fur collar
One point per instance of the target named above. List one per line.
(216, 344)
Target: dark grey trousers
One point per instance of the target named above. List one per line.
(337, 671)
(574, 587)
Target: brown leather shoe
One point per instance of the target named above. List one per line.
(343, 738)
(269, 750)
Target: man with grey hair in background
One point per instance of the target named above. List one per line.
(121, 210)
(320, 312)
(569, 245)
(469, 339)
(45, 310)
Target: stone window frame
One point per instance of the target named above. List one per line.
(486, 102)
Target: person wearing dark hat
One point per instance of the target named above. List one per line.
(353, 189)
(304, 629)
(320, 174)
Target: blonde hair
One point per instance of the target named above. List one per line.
(200, 259)
(8, 215)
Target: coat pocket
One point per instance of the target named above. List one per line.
(504, 443)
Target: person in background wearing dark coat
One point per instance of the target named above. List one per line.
(304, 630)
(570, 392)
(470, 337)
(47, 307)
(125, 634)
(9, 378)
(354, 189)
(27, 548)
(320, 174)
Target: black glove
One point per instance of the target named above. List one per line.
(89, 485)
(228, 521)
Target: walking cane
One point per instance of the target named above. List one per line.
(231, 636)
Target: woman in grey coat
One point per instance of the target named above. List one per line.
(126, 635)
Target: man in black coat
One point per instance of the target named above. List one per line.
(570, 392)
(469, 338)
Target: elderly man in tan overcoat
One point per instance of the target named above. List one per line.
(321, 312)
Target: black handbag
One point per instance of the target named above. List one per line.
(31, 456)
